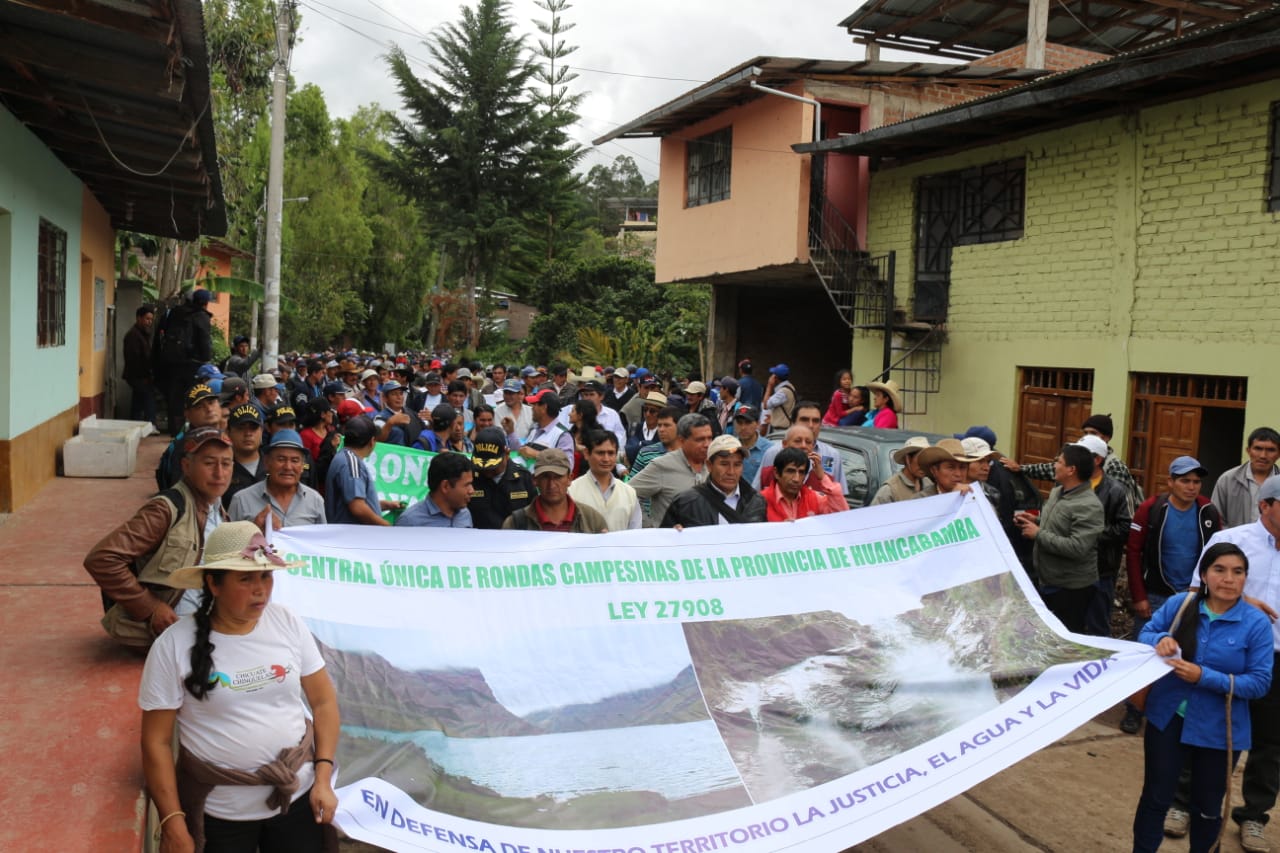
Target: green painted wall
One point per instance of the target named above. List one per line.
(36, 383)
(1147, 248)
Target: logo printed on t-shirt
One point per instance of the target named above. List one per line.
(255, 678)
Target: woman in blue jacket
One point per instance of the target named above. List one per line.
(1222, 645)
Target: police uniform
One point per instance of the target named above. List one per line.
(494, 500)
(242, 477)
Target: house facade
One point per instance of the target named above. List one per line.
(1102, 241)
(773, 233)
(82, 94)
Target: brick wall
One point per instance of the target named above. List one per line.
(1206, 250)
(1057, 57)
(1146, 248)
(902, 101)
(1167, 204)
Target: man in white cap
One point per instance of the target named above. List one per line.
(724, 498)
(696, 395)
(911, 482)
(266, 393)
(1116, 519)
(619, 392)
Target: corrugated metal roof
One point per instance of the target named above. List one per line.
(119, 91)
(1207, 59)
(734, 86)
(971, 29)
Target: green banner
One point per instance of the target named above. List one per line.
(400, 474)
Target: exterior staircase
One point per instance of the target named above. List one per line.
(860, 286)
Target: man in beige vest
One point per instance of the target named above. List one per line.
(167, 533)
(600, 489)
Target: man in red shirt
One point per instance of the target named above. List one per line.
(553, 509)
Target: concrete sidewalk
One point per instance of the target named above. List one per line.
(72, 772)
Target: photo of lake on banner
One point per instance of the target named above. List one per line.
(808, 698)
(481, 741)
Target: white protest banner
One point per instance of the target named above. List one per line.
(751, 688)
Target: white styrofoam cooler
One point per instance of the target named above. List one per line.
(104, 448)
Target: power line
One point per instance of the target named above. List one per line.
(366, 20)
(385, 44)
(419, 34)
(629, 74)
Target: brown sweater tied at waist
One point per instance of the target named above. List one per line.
(196, 778)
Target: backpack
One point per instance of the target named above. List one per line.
(166, 464)
(176, 335)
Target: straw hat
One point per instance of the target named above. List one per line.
(237, 546)
(891, 388)
(945, 449)
(914, 445)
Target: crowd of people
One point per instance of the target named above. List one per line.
(619, 448)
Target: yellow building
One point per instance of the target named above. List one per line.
(1102, 240)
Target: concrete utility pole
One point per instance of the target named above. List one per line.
(275, 187)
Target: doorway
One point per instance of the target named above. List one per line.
(1179, 414)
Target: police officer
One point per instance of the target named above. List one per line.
(501, 486)
(245, 428)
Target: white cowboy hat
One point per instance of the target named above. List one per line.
(236, 546)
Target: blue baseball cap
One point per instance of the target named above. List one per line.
(513, 385)
(780, 370)
(1187, 464)
(286, 438)
(334, 387)
(985, 433)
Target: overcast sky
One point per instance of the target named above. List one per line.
(621, 46)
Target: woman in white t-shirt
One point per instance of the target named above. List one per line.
(254, 769)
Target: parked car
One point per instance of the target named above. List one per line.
(868, 464)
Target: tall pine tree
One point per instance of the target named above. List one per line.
(561, 204)
(472, 150)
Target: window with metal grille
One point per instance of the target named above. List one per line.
(710, 157)
(1273, 187)
(984, 204)
(51, 286)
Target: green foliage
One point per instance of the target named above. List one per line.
(618, 298)
(620, 179)
(633, 343)
(475, 150)
(242, 48)
(219, 346)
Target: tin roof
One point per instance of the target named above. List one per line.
(119, 91)
(971, 29)
(1207, 59)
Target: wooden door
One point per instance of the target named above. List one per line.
(1177, 433)
(1041, 427)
